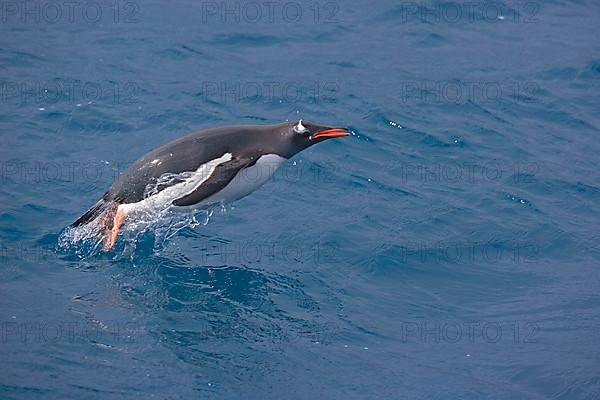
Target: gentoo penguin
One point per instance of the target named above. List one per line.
(218, 165)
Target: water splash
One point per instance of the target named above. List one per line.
(162, 225)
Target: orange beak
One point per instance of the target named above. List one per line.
(331, 133)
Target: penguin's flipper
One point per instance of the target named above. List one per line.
(221, 176)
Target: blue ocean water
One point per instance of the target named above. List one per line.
(447, 250)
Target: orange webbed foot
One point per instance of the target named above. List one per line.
(111, 237)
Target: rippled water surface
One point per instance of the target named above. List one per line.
(447, 250)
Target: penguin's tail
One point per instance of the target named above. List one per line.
(108, 216)
(103, 206)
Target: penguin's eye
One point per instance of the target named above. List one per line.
(303, 134)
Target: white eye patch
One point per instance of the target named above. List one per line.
(300, 128)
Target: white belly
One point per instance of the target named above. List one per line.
(247, 180)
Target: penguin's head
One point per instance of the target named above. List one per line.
(292, 137)
(303, 134)
(312, 133)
